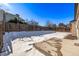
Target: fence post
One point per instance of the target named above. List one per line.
(2, 30)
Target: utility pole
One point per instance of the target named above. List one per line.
(2, 29)
(4, 21)
(17, 15)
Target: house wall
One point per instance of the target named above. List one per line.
(73, 28)
(76, 15)
(77, 20)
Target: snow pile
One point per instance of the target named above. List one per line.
(17, 43)
(21, 46)
(9, 37)
(59, 35)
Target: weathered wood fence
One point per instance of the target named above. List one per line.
(9, 27)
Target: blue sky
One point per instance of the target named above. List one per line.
(43, 12)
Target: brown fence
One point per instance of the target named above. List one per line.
(2, 27)
(9, 27)
(63, 29)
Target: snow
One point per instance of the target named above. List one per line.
(18, 43)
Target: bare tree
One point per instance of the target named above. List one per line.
(62, 25)
(33, 22)
(49, 24)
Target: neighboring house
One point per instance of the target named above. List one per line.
(8, 16)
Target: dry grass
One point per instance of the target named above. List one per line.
(70, 37)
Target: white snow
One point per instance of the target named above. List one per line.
(18, 43)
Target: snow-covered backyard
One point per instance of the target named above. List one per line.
(21, 43)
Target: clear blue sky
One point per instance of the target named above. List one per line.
(43, 12)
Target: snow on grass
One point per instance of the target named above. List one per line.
(16, 43)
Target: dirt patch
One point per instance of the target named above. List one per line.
(51, 47)
(71, 37)
(76, 44)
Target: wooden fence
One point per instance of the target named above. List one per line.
(9, 27)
